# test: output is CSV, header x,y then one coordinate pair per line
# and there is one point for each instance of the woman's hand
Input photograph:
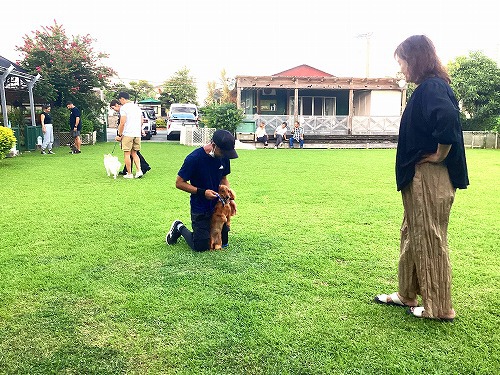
x,y
437,157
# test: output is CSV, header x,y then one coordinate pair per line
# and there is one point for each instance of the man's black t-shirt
x,y
205,172
75,112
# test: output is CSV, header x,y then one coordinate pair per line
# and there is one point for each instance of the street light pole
x,y
367,36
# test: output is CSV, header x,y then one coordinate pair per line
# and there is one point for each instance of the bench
x,y
329,141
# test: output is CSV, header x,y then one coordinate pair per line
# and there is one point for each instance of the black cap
x,y
225,141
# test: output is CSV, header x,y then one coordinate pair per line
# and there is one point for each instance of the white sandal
x,y
389,299
418,312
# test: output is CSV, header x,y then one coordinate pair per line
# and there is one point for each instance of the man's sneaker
x,y
139,174
173,234
43,152
128,175
50,152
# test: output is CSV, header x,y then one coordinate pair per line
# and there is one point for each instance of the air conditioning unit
x,y
268,91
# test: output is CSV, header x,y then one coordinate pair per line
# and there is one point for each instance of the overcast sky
x,y
153,39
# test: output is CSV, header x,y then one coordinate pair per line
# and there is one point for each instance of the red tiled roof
x,y
303,71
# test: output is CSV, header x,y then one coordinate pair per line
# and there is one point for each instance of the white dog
x,y
112,165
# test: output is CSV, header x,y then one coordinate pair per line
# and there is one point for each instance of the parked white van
x,y
180,114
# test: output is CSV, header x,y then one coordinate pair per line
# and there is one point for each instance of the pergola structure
x,y
324,103
305,77
13,79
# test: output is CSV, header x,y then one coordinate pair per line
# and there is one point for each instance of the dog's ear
x,y
231,193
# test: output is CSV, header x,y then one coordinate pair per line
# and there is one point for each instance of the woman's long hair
x,y
420,54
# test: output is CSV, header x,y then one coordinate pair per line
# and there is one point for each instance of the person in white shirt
x,y
261,135
129,133
280,134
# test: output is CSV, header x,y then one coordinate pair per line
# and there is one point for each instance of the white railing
x,y
333,125
375,124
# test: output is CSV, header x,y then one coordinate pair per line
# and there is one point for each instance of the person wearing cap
x,y
202,172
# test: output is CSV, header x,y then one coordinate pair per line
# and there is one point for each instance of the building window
x,y
315,106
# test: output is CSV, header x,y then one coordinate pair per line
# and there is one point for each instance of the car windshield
x,y
184,110
183,116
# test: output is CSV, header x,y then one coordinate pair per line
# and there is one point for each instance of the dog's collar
x,y
222,200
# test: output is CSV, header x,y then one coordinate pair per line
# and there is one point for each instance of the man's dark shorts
x,y
75,133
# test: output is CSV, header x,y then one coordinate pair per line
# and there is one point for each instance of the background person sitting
x,y
261,135
297,135
280,134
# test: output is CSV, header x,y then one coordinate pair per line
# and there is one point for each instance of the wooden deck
x,y
331,141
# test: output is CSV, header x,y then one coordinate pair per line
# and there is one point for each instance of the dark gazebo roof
x,y
18,79
5,63
13,84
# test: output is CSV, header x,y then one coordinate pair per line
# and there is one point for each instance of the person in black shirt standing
x,y
430,166
75,126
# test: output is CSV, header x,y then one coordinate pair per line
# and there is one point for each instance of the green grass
x,y
88,286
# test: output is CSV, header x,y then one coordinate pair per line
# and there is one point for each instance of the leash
x,y
114,148
222,200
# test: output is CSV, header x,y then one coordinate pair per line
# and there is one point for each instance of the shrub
x,y
16,117
222,116
7,141
161,123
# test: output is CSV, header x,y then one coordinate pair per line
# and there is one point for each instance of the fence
x,y
195,136
481,139
66,138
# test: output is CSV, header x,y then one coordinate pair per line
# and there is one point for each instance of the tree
x,y
112,91
476,83
222,116
180,88
70,69
210,99
142,90
220,93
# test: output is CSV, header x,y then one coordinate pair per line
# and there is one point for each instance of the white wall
x,y
385,103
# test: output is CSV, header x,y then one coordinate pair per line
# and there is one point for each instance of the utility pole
x,y
367,36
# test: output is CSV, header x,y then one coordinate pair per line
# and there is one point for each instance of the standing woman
x,y
430,166
47,129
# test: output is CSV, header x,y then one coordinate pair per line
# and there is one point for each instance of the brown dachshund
x,y
224,209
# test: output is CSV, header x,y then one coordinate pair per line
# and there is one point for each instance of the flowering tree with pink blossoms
x,y
70,69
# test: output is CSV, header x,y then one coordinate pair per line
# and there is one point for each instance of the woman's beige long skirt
x,y
424,263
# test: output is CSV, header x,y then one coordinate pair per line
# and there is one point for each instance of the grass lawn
x,y
88,285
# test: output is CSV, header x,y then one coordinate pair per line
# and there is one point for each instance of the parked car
x,y
179,115
148,123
